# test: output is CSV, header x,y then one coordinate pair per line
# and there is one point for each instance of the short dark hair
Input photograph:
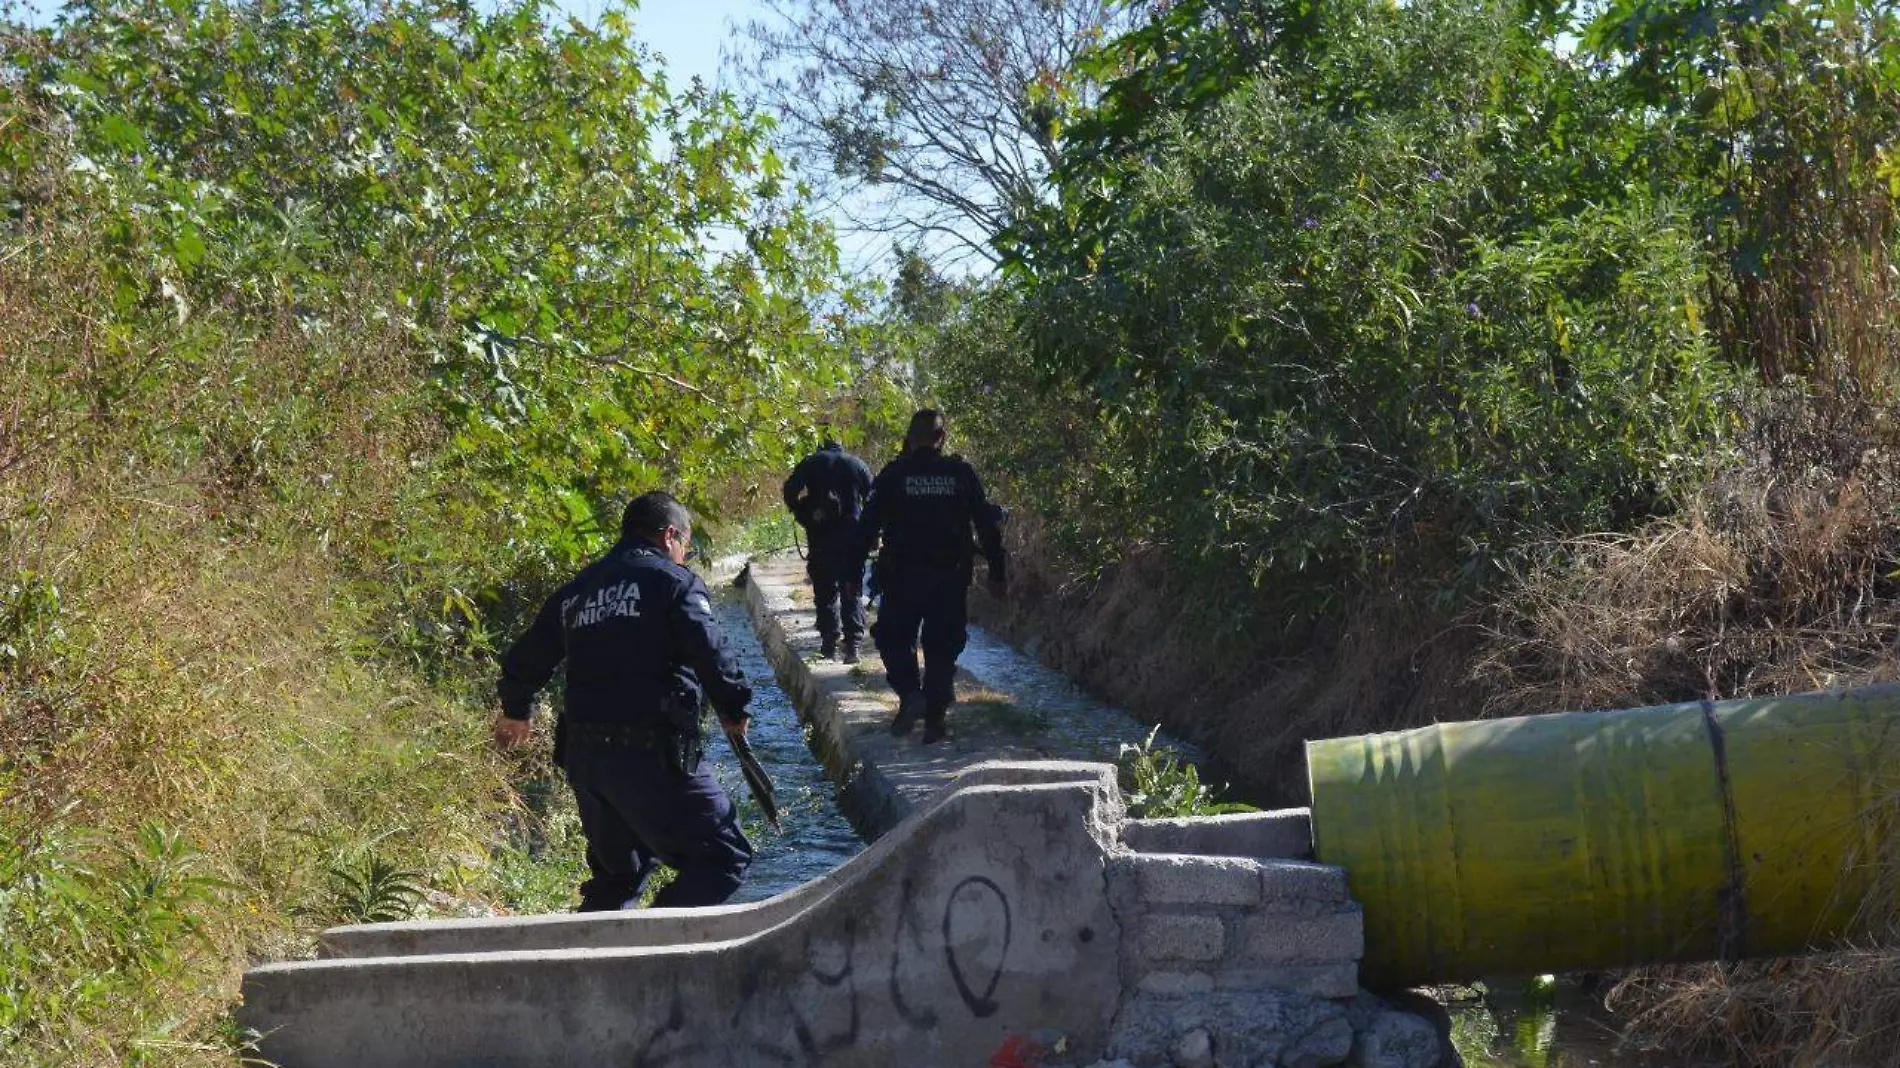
x,y
925,425
649,514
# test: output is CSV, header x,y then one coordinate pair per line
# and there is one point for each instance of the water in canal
x,y
1076,724
814,836
1511,1025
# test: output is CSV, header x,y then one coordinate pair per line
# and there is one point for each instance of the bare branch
x,y
917,106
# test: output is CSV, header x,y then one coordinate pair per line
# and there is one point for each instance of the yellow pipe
x,y
1603,839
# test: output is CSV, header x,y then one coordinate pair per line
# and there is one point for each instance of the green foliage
x,y
1158,784
351,325
612,285
30,630
1782,128
1344,302
92,933
373,889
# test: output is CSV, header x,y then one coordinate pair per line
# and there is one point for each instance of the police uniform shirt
x,y
827,479
632,626
924,505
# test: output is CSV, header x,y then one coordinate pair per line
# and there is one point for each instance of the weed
x,y
372,890
1158,783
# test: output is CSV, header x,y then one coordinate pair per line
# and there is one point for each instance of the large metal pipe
x,y
1603,839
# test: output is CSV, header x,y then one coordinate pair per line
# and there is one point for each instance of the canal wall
x,y
1006,913
1007,916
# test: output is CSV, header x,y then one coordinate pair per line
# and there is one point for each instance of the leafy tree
x,y
616,285
1785,115
1324,309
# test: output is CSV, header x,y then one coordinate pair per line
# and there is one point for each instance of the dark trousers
x,y
930,604
637,813
837,581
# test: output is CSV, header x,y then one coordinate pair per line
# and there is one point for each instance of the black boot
x,y
936,725
909,708
850,653
827,648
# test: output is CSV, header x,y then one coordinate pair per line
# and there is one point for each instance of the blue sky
x,y
689,33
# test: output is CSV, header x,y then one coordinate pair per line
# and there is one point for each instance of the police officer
x,y
643,650
826,494
922,509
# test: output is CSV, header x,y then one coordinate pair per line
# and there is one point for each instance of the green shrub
x,y
1157,783
1326,319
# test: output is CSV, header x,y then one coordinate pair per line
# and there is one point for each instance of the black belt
x,y
621,735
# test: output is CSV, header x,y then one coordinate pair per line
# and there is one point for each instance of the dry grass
x,y
1783,575
188,512
1780,576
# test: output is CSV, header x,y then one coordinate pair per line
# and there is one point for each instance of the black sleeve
x,y
860,478
794,487
989,531
703,646
530,663
871,522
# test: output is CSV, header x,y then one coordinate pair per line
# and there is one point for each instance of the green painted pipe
x,y
1604,839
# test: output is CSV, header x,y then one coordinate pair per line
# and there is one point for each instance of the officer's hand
x,y
999,589
736,730
510,733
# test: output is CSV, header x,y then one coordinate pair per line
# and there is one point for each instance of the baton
x,y
755,778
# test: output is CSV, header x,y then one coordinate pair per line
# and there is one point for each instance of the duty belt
x,y
621,735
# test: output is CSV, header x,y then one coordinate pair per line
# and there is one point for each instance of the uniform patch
x,y
930,485
620,600
700,602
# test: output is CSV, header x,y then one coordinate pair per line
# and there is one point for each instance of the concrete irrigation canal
x,y
1008,912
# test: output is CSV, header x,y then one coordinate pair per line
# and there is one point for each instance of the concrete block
x,y
1397,1040
1169,983
1279,938
1182,879
1197,938
1294,885
1315,980
1124,884
1328,1044
1194,1049
1287,833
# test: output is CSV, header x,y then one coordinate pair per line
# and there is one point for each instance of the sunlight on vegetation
x,y
312,385
1157,783
1348,366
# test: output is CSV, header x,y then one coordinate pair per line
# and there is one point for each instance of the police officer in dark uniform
x,y
643,651
922,509
826,496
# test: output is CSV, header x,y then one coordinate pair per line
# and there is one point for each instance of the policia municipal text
x,y
643,652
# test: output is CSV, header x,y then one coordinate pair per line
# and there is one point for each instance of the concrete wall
x,y
1203,923
999,901
1285,835
845,717
986,915
1010,905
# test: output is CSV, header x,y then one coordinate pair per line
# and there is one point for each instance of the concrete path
x,y
849,709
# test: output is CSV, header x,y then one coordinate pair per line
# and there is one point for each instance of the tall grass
x,y
205,710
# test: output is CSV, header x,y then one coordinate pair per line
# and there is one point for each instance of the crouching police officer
x,y
923,507
826,494
643,650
